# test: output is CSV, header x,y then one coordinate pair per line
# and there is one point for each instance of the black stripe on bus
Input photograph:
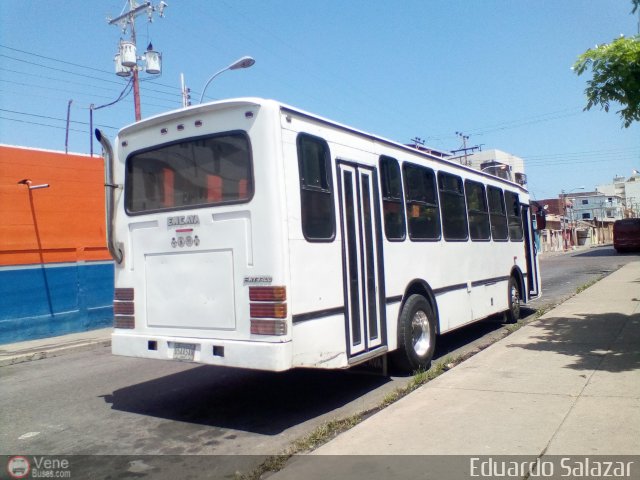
x,y
328,312
396,299
450,288
489,281
303,317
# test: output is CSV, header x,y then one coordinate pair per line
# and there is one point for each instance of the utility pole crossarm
x,y
131,13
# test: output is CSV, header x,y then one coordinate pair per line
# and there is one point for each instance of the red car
x,y
626,234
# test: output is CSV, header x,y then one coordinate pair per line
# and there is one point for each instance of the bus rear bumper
x,y
269,356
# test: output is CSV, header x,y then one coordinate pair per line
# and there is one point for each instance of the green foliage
x,y
616,76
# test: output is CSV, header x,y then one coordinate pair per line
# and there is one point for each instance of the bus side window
x,y
513,216
452,205
421,202
479,227
392,205
316,189
497,214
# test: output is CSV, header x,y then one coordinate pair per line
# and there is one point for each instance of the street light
x,y
564,216
244,62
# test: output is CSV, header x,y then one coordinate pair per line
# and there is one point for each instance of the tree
x,y
616,75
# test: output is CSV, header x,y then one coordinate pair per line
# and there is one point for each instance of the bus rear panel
x,y
203,276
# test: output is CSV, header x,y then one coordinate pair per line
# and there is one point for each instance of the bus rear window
x,y
192,173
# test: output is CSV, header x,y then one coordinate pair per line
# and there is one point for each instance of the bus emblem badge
x,y
183,220
258,280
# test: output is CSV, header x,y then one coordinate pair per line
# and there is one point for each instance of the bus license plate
x,y
184,351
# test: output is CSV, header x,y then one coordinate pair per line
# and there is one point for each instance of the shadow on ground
x,y
261,402
265,402
614,337
604,252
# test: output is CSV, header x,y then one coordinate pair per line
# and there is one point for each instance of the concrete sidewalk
x,y
565,384
19,352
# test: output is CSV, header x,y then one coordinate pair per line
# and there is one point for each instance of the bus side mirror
x,y
541,220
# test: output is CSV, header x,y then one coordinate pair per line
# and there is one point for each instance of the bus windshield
x,y
196,172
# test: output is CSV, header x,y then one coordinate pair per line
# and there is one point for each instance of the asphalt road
x,y
95,403
562,274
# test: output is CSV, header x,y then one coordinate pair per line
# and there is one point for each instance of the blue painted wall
x,y
38,301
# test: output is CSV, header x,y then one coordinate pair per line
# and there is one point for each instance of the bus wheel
x,y
416,335
513,314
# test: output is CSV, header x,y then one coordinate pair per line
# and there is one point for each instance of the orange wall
x,y
62,223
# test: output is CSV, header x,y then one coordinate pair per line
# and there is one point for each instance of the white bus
x,y
248,233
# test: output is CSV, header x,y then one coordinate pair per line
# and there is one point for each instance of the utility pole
x,y
186,92
66,139
136,79
126,60
464,144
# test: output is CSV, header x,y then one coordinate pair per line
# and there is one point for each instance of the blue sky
x,y
496,70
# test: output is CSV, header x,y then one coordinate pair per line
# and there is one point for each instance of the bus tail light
x,y
268,302
267,294
123,308
268,310
268,327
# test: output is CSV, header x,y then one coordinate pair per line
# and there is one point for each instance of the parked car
x,y
626,234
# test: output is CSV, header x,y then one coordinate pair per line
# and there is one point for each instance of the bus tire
x,y
514,295
416,335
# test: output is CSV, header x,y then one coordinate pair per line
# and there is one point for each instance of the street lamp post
x,y
244,62
564,216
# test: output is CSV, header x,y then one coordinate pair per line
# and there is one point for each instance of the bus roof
x,y
195,110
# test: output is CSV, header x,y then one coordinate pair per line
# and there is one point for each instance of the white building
x,y
590,206
626,188
498,163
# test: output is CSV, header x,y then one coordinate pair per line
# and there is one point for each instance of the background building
x,y
498,163
595,206
56,275
628,189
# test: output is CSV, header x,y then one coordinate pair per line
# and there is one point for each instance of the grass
x,y
331,429
582,288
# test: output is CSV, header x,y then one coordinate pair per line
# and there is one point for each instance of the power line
x,y
125,91
54,59
172,87
90,95
58,69
41,124
581,153
86,76
52,118
93,77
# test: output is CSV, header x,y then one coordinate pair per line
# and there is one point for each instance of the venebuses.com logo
x,y
18,467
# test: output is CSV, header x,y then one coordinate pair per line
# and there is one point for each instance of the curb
x,y
48,351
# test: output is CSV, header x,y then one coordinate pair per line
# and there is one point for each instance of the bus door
x,y
362,257
531,251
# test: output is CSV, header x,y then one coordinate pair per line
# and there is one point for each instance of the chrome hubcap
x,y
420,333
515,300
